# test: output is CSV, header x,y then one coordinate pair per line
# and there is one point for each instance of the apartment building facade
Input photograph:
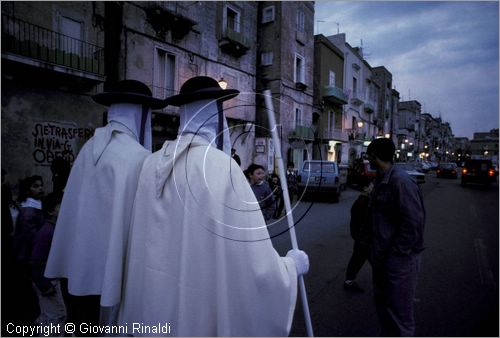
x,y
362,95
55,55
409,135
166,43
285,67
485,145
329,98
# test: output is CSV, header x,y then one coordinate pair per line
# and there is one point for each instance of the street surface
x,y
457,292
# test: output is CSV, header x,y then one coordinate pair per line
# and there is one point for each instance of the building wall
x,y
198,54
45,111
280,37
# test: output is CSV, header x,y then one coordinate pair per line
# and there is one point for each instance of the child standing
x,y
262,191
51,302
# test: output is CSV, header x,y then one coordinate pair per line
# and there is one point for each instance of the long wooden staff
x,y
288,207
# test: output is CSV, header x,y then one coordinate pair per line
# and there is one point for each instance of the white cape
x,y
91,235
200,259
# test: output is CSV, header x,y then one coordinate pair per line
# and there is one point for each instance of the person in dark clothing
x,y
397,217
291,181
275,185
30,218
61,169
359,233
50,298
235,156
28,222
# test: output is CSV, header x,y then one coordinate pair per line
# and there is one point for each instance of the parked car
x,y
426,166
478,171
361,173
319,177
447,170
410,169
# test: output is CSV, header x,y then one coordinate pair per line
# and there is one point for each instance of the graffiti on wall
x,y
53,139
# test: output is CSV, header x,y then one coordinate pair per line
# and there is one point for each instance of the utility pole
x,y
317,25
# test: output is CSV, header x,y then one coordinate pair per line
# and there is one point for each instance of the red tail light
x,y
464,171
491,172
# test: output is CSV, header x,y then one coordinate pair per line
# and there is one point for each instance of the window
x,y
331,121
266,59
354,87
231,19
298,116
268,14
300,20
72,30
331,78
299,69
164,74
338,120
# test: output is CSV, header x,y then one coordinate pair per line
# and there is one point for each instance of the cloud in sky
x,y
443,54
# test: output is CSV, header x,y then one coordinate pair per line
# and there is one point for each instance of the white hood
x,y
130,114
201,118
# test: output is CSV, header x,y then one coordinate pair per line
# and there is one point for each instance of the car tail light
x,y
491,172
453,172
464,171
438,171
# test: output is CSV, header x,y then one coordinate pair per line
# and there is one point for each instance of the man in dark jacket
x,y
397,217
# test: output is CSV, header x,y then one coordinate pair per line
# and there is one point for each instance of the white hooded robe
x,y
200,259
90,239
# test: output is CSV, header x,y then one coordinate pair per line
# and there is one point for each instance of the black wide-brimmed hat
x,y
129,91
201,88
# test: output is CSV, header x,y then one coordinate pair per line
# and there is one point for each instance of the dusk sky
x,y
442,54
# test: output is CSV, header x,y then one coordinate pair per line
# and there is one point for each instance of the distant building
x,y
485,144
461,148
362,91
329,98
409,130
383,78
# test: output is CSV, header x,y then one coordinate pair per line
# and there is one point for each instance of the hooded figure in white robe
x,y
200,261
91,235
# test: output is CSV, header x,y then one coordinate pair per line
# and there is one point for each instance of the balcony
x,y
34,45
369,107
234,43
300,85
334,95
334,134
163,20
355,100
302,133
356,135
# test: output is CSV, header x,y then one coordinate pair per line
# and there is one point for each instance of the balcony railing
x,y
356,99
334,134
369,107
25,39
301,132
234,43
334,94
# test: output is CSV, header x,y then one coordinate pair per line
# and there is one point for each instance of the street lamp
x,y
222,83
360,124
387,135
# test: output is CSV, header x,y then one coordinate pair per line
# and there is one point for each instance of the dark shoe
x,y
353,287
